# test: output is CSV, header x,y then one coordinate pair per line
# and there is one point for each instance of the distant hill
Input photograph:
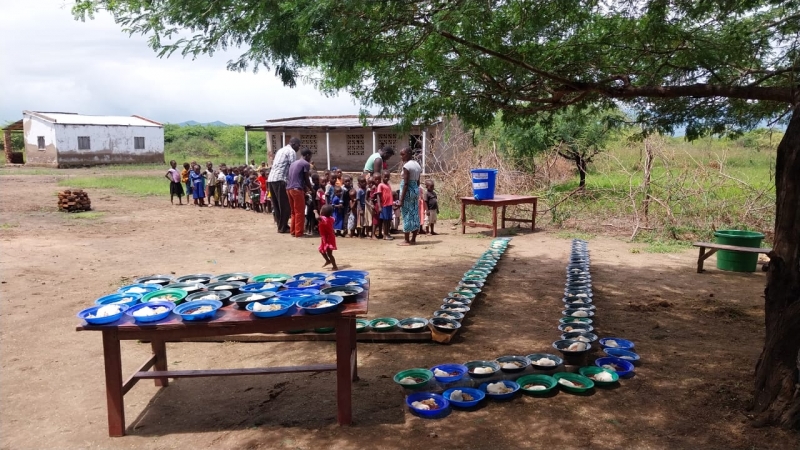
x,y
215,123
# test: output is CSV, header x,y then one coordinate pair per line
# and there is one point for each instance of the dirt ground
x,y
699,337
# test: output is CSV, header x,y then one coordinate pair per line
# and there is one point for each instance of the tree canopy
x,y
712,66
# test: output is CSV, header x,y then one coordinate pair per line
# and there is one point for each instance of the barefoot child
x,y
175,187
431,206
387,201
361,207
187,170
198,186
327,237
338,210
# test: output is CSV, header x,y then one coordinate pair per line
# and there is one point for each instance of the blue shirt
x,y
229,179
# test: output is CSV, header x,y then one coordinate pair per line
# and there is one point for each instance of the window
x,y
84,143
275,146
385,139
138,143
355,145
309,141
40,141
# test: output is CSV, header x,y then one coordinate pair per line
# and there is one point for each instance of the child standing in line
x,y
198,186
361,203
175,186
327,237
211,181
329,188
233,189
255,193
312,207
338,210
187,169
431,206
242,188
387,201
376,201
262,184
346,197
219,197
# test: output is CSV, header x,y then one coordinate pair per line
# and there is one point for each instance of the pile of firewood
x,y
73,201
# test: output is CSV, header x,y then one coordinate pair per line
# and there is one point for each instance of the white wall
x,y
109,144
33,127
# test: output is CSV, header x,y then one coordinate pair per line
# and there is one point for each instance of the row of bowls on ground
x,y
464,386
431,392
199,296
457,303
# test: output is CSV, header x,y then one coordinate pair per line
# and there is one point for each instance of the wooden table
x,y
499,201
712,248
228,321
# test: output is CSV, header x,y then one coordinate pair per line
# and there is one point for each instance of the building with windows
x,y
347,141
73,140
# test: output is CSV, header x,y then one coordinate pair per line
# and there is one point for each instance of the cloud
x,y
52,62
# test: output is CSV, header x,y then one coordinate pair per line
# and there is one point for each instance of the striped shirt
x,y
280,165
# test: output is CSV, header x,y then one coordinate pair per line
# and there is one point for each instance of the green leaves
x,y
735,62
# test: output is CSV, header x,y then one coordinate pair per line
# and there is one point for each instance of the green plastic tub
x,y
738,261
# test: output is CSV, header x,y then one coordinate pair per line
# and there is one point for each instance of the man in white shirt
x,y
277,183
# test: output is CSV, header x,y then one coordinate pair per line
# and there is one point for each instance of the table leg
x,y
494,221
160,352
354,349
463,218
503,218
114,396
533,216
344,370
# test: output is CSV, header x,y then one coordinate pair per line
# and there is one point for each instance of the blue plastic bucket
x,y
483,181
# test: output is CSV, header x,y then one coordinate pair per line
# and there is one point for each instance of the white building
x,y
69,140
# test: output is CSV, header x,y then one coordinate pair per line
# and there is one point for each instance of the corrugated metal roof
x,y
82,119
323,122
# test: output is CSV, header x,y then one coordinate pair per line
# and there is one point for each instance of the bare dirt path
x,y
699,336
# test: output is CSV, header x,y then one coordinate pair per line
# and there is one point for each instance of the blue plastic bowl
x,y
119,299
508,383
621,343
627,355
625,367
442,402
183,309
311,276
285,307
316,284
307,305
450,368
169,305
296,295
254,288
101,320
363,274
477,394
344,281
148,288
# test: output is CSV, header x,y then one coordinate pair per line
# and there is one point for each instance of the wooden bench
x,y
712,248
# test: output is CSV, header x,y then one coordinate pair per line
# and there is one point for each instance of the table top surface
x,y
499,198
228,316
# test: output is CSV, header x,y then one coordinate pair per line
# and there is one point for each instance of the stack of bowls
x,y
459,302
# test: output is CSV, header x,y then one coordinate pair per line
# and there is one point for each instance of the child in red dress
x,y
327,236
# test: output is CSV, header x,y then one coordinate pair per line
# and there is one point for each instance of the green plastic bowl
x,y
461,293
177,295
477,272
390,320
575,378
271,277
422,374
591,371
545,380
361,325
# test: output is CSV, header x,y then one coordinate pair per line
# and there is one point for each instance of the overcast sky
x,y
52,62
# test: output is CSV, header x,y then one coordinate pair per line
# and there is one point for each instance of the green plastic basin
x,y
738,261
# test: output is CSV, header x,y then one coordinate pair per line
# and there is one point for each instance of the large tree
x,y
710,66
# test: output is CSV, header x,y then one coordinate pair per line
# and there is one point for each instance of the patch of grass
x,y
7,226
41,171
126,184
658,246
86,215
572,234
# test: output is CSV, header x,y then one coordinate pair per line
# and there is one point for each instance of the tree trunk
x,y
776,399
580,162
648,165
